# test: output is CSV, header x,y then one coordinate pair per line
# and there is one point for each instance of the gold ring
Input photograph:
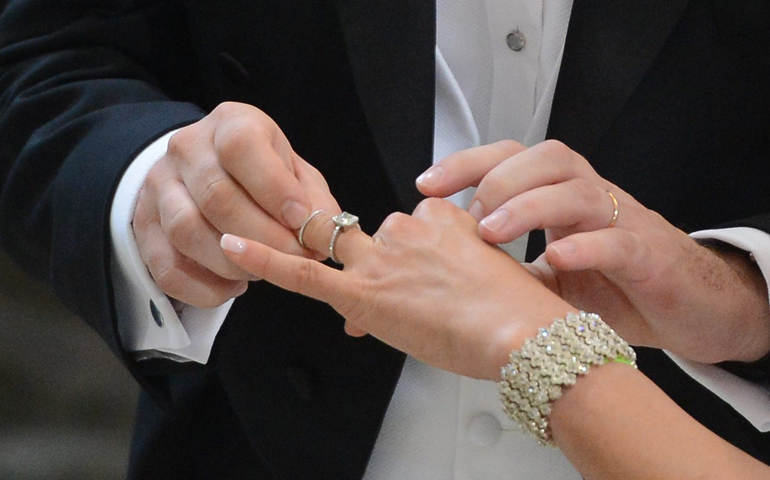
x,y
615,210
301,234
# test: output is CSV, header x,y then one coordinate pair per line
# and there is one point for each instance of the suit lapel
x,y
391,47
610,45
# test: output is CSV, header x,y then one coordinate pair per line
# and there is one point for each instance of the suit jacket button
x,y
156,315
232,68
302,381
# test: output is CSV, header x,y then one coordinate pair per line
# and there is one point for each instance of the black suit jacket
x,y
669,99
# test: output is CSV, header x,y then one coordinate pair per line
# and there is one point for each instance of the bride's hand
x,y
426,284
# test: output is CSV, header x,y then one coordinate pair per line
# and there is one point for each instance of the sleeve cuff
x,y
148,322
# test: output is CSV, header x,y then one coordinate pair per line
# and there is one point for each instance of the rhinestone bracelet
x,y
553,360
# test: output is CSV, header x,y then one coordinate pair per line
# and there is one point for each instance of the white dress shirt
x,y
439,425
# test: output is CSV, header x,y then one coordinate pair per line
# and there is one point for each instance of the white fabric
x,y
440,425
190,338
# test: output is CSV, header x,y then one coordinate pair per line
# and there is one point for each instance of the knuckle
x,y
305,274
430,206
493,186
169,279
508,146
233,147
154,180
228,109
180,229
584,191
217,198
557,148
179,143
394,222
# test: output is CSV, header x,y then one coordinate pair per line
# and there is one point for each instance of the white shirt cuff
x,y
183,332
750,399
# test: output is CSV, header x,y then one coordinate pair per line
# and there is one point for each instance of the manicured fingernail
x,y
431,176
231,243
476,211
294,213
496,221
563,249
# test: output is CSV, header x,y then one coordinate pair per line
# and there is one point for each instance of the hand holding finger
x,y
253,150
176,275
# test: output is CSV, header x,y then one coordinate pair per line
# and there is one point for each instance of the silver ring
x,y
342,223
301,234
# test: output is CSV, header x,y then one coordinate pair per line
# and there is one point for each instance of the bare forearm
x,y
615,423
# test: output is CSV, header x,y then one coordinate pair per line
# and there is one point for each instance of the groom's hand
x,y
233,171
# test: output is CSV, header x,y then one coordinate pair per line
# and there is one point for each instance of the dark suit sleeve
x,y
81,93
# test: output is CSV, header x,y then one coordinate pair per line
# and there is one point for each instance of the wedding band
x,y
342,223
615,210
301,234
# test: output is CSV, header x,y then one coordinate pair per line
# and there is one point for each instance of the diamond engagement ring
x,y
301,234
342,223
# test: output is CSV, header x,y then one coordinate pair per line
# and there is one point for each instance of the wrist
x,y
752,305
512,335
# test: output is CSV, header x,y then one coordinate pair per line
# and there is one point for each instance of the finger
x,y
546,163
439,210
190,233
350,244
318,190
568,207
229,208
180,277
297,274
246,149
618,254
465,168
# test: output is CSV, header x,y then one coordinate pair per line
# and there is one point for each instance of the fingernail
x,y
294,213
231,243
476,211
431,176
563,249
496,221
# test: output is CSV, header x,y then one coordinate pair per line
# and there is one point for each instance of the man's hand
x,y
648,279
233,171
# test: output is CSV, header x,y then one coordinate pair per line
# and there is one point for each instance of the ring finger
x,y
348,241
567,207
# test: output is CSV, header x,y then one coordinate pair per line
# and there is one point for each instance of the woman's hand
x,y
653,283
426,284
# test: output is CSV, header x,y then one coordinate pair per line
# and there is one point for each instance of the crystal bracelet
x,y
536,374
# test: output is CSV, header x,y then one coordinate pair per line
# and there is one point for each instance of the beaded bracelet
x,y
553,360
